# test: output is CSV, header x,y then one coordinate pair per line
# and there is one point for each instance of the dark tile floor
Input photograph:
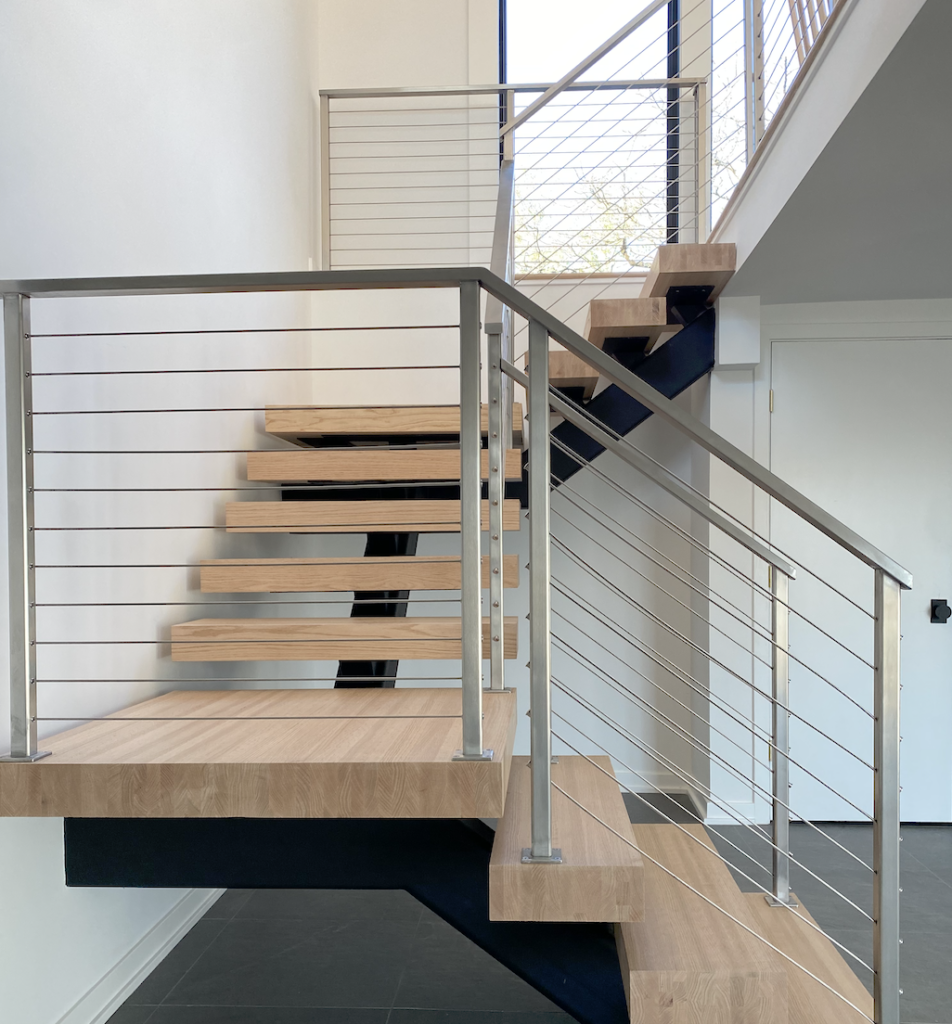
x,y
357,957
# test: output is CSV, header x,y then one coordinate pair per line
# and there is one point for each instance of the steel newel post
x,y
539,598
497,489
780,630
19,428
470,440
886,802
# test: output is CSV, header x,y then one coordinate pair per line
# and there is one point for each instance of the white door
x,y
862,427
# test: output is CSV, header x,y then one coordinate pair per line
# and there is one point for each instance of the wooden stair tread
x,y
687,960
368,464
411,516
628,318
691,264
294,422
567,370
300,575
810,1002
319,753
601,877
361,638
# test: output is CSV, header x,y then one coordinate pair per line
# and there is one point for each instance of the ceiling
x,y
872,219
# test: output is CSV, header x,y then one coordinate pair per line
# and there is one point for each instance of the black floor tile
x,y
168,973
129,1014
448,972
268,1015
331,905
421,1016
231,901
657,808
926,978
285,962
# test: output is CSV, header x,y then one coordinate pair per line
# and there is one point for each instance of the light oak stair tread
x,y
361,638
368,464
294,422
410,516
272,754
601,877
809,1001
567,370
687,960
692,265
313,575
628,318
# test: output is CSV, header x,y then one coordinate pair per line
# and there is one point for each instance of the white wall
x,y
139,138
856,389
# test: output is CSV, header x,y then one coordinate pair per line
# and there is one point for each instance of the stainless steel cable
x,y
602,618
686,777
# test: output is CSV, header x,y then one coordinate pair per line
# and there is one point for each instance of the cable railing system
x,y
642,143
664,631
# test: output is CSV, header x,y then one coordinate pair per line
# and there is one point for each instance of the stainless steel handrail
x,y
331,280
484,90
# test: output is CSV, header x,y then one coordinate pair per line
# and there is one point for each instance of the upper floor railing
x,y
647,151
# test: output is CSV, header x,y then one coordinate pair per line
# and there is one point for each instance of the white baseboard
x,y
112,990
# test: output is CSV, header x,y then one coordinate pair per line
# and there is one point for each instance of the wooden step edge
x,y
691,264
645,318
369,516
567,370
688,960
333,575
601,877
809,1001
294,422
368,466
339,639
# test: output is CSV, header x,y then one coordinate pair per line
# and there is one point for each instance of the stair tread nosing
x,y
326,575
357,638
628,318
368,465
602,875
688,960
691,264
293,422
410,516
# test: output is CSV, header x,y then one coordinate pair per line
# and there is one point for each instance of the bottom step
x,y
810,1002
687,962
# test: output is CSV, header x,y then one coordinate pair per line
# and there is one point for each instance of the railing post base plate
x,y
25,758
486,755
527,858
773,901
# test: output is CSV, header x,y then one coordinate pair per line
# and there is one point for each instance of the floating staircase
x,y
358,786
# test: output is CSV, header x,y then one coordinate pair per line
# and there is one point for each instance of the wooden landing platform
x,y
272,754
601,877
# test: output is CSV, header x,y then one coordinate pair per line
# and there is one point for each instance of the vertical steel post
x,y
19,427
754,73
509,140
325,185
886,802
540,695
497,493
780,628
470,442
